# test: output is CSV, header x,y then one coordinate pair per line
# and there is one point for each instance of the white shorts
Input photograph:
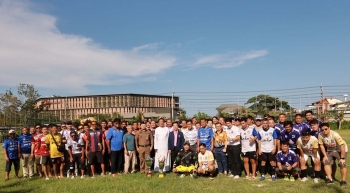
x,y
307,155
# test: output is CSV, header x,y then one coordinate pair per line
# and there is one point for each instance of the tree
x,y
201,115
28,97
137,118
262,104
9,106
223,114
182,114
117,115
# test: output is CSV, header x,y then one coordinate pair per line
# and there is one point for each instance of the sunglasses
x,y
324,129
73,135
12,133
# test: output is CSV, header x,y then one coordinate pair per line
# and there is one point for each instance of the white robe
x,y
161,144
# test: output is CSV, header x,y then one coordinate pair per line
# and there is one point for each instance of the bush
x,y
345,125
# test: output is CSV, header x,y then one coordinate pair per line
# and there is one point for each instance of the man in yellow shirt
x,y
57,158
205,161
220,146
330,142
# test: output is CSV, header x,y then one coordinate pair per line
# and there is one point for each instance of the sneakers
x,y
304,179
182,175
82,177
211,178
342,183
262,178
72,177
316,180
47,179
274,178
291,179
92,177
230,176
286,178
236,177
329,181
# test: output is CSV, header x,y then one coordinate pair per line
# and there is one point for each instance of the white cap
x,y
12,131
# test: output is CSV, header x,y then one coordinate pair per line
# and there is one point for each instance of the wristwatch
x,y
342,158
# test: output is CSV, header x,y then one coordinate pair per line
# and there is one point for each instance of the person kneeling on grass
x,y
185,162
11,153
287,162
205,161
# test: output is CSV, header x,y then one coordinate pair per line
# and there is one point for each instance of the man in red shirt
x,y
35,149
44,153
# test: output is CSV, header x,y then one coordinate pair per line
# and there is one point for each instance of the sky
x,y
159,47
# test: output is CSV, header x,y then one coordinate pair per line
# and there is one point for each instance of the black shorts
x,y
95,156
249,154
267,157
15,163
44,160
57,160
77,159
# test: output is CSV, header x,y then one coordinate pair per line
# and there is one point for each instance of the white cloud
x,y
34,51
228,60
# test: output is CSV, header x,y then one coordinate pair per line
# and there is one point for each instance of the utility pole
x,y
322,93
172,106
275,104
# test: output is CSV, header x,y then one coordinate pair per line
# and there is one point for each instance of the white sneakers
x,y
236,177
304,179
316,180
182,175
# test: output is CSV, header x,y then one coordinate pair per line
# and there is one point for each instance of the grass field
x,y
171,183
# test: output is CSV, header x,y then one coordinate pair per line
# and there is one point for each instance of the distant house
x,y
325,104
228,108
343,107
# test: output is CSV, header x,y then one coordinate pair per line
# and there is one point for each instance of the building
x,y
229,108
324,105
127,105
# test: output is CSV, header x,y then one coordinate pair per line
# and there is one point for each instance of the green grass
x,y
171,183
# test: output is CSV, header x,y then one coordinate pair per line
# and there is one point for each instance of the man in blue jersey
x,y
205,135
287,163
290,135
24,147
267,149
309,117
10,147
299,124
281,118
315,128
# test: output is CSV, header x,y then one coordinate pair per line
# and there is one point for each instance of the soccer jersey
x,y
95,140
287,159
11,146
232,133
205,158
308,146
205,135
315,133
308,123
220,139
116,138
54,153
25,143
280,126
331,142
292,138
246,135
76,145
191,136
300,127
267,138
36,142
43,149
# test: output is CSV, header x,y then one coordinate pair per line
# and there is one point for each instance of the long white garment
x,y
161,144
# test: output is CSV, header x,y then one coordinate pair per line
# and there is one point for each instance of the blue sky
x,y
156,47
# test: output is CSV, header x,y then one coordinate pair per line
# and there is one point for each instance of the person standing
x,y
11,153
54,140
175,143
206,136
233,149
190,135
115,147
290,135
25,152
44,153
35,151
248,139
76,154
144,144
220,147
161,146
129,150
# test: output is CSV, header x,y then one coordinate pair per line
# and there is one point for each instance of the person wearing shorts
x,y
35,153
10,147
205,161
332,147
308,147
57,158
95,148
248,138
185,161
44,153
76,154
287,163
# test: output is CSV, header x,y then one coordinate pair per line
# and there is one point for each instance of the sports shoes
x,y
329,181
316,180
92,177
47,179
286,178
274,178
72,177
262,178
236,177
82,177
342,183
230,176
304,179
211,178
103,175
291,179
182,175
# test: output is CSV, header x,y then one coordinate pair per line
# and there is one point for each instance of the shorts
x,y
306,156
184,169
204,167
267,157
44,160
95,156
37,159
57,160
334,156
249,154
15,163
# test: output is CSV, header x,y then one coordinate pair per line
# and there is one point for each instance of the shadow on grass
x,y
12,185
331,187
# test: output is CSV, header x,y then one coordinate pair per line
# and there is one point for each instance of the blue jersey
x,y
116,138
278,132
205,135
315,133
25,142
300,127
308,123
291,137
287,159
11,147
279,126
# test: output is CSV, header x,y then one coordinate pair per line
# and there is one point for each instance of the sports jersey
x,y
205,135
54,153
25,143
315,133
280,126
246,135
232,133
267,139
331,142
185,158
287,159
205,158
191,135
11,146
292,137
220,139
116,138
95,140
300,127
43,149
308,146
36,143
76,145
308,123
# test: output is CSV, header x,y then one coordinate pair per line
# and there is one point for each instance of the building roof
x,y
125,94
328,100
228,108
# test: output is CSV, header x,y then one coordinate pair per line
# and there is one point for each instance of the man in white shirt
x,y
190,135
233,149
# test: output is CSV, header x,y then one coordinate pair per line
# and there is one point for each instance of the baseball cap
x,y
187,142
258,118
12,131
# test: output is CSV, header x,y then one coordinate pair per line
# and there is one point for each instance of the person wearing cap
x,y
308,147
76,154
11,153
185,161
258,123
25,150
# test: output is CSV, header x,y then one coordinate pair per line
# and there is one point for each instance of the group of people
x,y
190,147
